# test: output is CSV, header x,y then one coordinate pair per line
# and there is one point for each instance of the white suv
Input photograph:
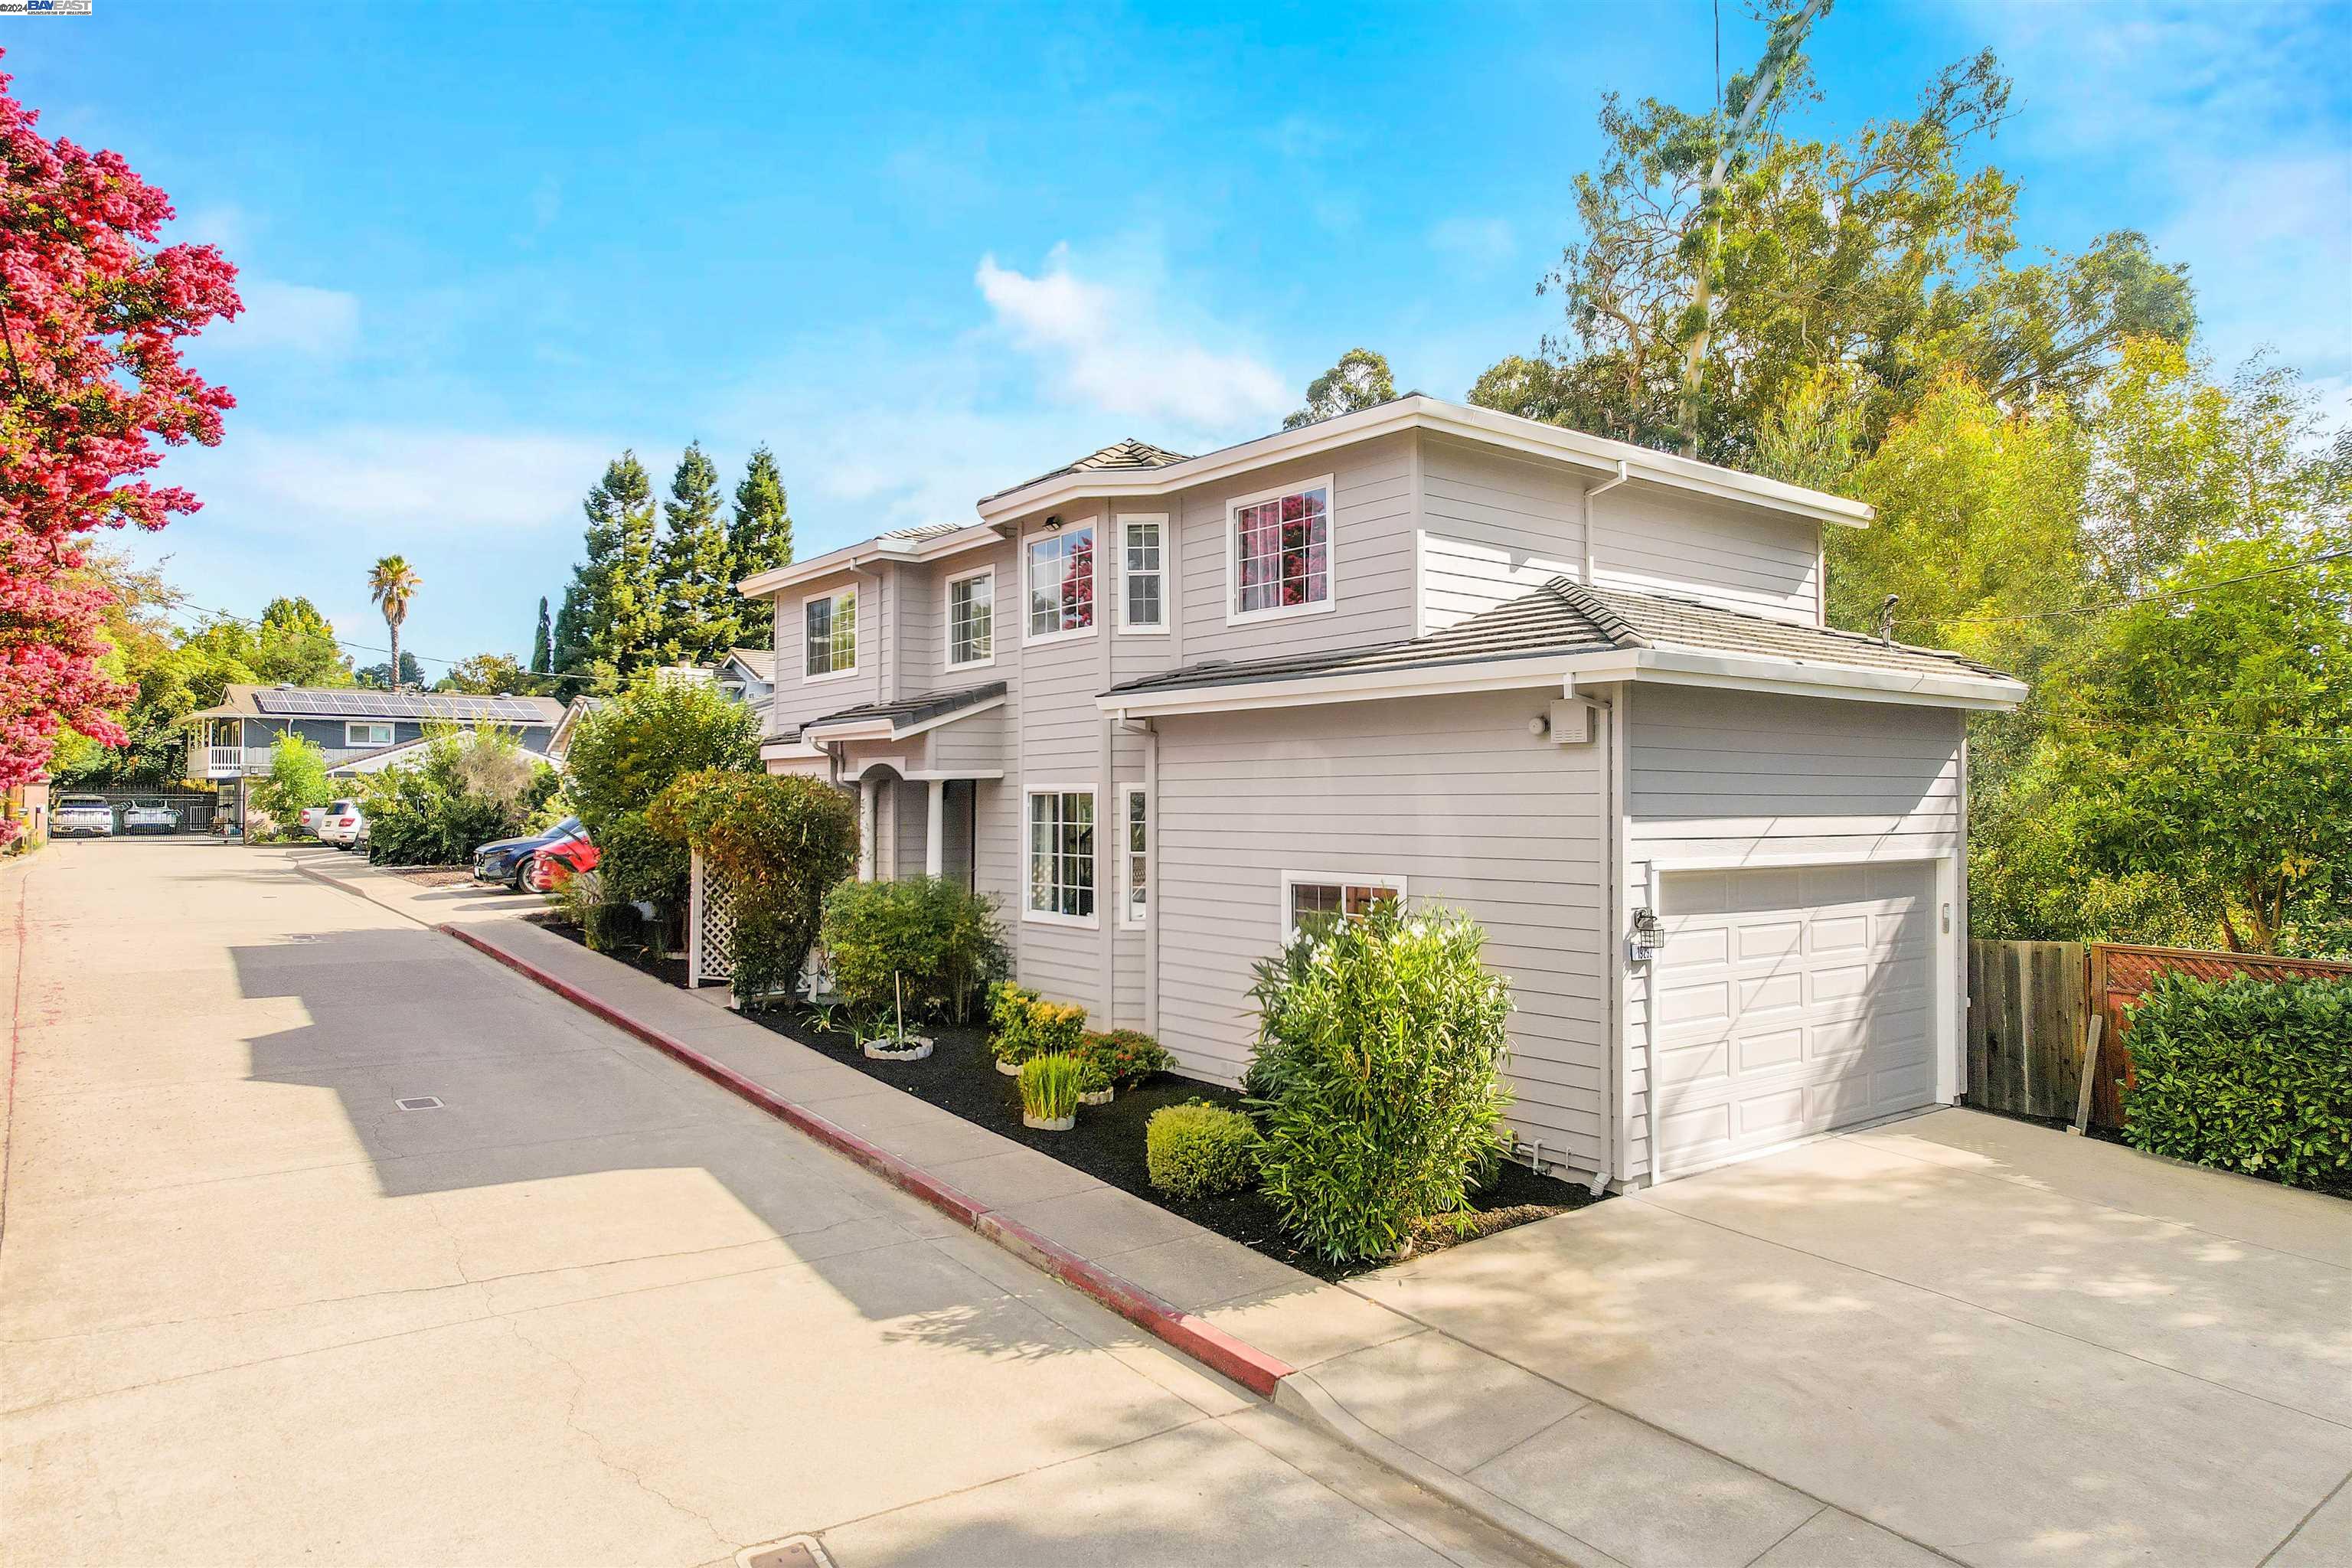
x,y
82,814
340,826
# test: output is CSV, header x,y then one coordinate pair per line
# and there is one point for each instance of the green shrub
x,y
1198,1151
780,843
2248,1075
1125,1056
297,778
1022,1025
1376,1080
1050,1087
467,787
939,942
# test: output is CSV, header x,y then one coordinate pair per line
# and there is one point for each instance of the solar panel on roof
x,y
449,706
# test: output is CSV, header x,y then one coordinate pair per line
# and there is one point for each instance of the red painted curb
x,y
1196,1337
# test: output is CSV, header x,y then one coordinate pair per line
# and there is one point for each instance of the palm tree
x,y
390,585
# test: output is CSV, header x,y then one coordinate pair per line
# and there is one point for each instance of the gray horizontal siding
x,y
1382,789
1656,540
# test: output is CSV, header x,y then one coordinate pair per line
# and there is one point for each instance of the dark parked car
x,y
530,864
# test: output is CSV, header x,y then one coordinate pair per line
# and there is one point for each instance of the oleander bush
x,y
1377,1081
1197,1150
2247,1075
939,942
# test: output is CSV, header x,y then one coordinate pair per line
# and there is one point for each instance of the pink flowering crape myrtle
x,y
92,313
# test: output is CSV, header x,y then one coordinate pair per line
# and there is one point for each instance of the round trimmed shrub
x,y
1198,1151
1377,1084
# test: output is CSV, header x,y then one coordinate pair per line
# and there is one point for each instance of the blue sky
x,y
926,252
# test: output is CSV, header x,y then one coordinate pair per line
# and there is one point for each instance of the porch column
x,y
935,830
865,794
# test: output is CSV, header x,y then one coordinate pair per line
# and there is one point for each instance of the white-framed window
x,y
1307,895
356,733
971,618
1135,855
1060,579
1143,574
1062,856
829,634
1278,553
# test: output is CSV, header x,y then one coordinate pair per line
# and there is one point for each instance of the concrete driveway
x,y
2005,1344
587,1309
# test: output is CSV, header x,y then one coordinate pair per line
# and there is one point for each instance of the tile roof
x,y
921,531
1129,456
760,661
900,714
1563,618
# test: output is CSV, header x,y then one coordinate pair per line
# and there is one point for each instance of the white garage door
x,y
1791,1002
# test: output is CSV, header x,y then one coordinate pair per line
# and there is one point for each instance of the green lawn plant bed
x,y
1107,1143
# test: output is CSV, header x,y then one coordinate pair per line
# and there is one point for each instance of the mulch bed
x,y
669,971
959,1075
433,876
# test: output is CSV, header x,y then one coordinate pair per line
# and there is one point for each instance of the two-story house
x,y
1161,707
236,741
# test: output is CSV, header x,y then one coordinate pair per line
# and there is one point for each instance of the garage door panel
x,y
1792,1001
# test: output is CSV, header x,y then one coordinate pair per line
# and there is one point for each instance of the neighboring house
x,y
1160,707
559,744
239,736
748,673
411,751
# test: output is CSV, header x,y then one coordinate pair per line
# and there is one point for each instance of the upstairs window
x,y
1062,581
1281,552
1062,856
831,623
358,734
1143,574
971,619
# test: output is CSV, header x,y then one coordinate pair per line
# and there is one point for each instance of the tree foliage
x,y
1361,380
92,313
611,616
474,784
782,844
393,583
758,539
487,675
697,602
297,778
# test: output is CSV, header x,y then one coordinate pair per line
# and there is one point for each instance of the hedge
x,y
1198,1151
2247,1075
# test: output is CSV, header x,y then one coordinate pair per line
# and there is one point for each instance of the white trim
x,y
1506,431
885,730
1671,667
856,630
1129,793
854,557
1030,790
1021,569
1235,616
1284,931
390,731
946,618
1119,525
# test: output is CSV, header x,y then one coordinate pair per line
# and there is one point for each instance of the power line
x,y
2150,596
187,606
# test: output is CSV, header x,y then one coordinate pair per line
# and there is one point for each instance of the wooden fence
x,y
2031,1006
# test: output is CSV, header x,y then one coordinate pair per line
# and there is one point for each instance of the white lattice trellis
x,y
709,926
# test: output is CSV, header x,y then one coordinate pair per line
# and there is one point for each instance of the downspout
x,y
1150,863
1603,488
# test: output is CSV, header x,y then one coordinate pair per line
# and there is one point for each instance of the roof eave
x,y
1801,678
1527,436
882,547
1365,685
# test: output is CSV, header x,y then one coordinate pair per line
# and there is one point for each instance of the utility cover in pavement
x,y
800,1552
421,1102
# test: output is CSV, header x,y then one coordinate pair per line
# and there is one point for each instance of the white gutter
x,y
1675,667
853,557
1624,473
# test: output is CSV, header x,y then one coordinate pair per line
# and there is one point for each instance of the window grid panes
x,y
1062,581
1353,899
972,615
1282,553
1061,854
1139,844
832,633
1143,576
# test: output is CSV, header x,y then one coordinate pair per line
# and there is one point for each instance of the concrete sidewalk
x,y
1564,1472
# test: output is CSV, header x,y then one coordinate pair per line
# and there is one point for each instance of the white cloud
x,y
1106,344
1480,244
373,485
289,319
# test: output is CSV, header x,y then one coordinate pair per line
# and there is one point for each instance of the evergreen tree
x,y
542,646
612,605
758,539
697,610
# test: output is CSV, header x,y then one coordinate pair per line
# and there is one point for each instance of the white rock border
x,y
918,1047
